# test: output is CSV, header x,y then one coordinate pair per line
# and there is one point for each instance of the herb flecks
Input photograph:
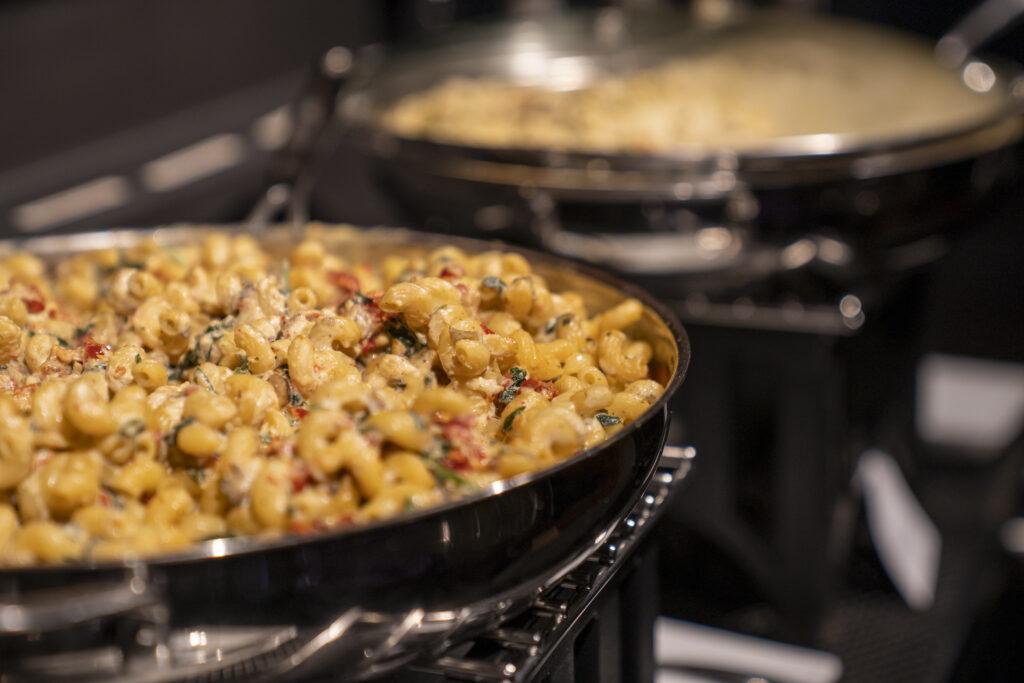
x,y
171,438
196,474
200,374
492,282
607,420
517,375
443,473
131,429
190,359
556,322
506,425
399,331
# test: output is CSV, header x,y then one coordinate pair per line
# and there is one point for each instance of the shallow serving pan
x,y
875,191
490,550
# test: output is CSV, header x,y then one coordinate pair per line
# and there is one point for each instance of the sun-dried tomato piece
x,y
94,350
300,527
34,305
343,280
547,389
456,460
465,442
300,478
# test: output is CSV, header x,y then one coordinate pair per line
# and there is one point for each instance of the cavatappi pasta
x,y
158,396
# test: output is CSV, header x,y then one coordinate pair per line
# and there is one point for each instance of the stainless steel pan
x,y
869,191
489,551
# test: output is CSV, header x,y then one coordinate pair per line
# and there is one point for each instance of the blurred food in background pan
x,y
622,137
779,77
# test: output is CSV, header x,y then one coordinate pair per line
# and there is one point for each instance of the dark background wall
x,y
72,71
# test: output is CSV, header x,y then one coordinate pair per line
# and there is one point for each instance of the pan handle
x,y
60,608
980,25
292,171
706,248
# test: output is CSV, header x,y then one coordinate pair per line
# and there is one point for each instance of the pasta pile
x,y
158,396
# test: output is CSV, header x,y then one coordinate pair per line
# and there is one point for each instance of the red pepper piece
x,y
343,280
547,389
94,350
450,272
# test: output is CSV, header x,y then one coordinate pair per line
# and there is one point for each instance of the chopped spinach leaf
x,y
217,327
206,379
131,429
439,448
607,420
171,438
506,426
556,322
492,282
190,359
243,364
137,265
444,474
510,392
196,474
398,330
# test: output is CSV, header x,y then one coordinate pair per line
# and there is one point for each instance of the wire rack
x,y
519,632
